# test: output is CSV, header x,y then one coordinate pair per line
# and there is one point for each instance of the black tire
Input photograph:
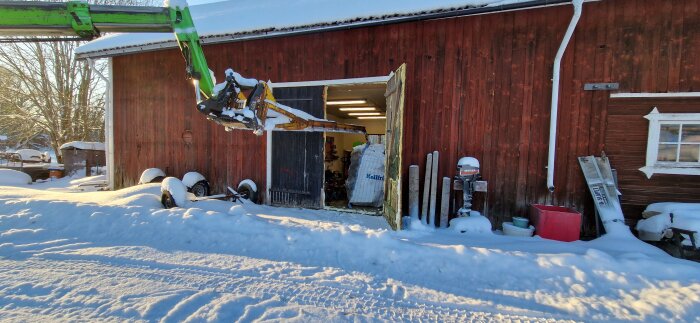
x,y
247,192
157,179
167,200
200,189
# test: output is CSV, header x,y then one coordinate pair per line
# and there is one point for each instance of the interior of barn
x,y
360,104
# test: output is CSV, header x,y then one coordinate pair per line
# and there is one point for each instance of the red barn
x,y
477,81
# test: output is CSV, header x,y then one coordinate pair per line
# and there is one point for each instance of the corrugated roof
x,y
235,20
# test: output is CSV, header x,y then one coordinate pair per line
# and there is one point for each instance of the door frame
x,y
393,187
268,152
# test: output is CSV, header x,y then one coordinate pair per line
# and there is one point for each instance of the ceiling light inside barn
x,y
358,109
346,102
365,114
374,117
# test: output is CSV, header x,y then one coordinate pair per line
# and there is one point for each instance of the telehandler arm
x,y
223,103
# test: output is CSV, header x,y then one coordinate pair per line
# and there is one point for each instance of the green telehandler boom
x,y
224,103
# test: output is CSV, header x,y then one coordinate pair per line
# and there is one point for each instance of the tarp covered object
x,y
365,182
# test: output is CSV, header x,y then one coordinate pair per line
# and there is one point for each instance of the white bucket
x,y
510,230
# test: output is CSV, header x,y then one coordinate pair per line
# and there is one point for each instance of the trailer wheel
x,y
167,200
152,175
200,189
173,193
157,179
248,190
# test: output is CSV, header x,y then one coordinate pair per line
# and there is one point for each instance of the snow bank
x,y
13,177
84,145
215,19
120,256
72,183
150,174
475,223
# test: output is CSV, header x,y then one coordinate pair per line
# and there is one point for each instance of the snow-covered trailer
x,y
478,82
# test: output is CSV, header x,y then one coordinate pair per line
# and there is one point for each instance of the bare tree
x,y
45,90
19,130
52,92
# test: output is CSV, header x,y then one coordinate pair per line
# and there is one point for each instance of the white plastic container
x,y
510,230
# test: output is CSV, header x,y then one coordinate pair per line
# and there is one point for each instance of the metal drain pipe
x,y
109,133
578,7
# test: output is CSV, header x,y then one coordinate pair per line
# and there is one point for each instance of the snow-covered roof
x,y
30,155
232,20
84,145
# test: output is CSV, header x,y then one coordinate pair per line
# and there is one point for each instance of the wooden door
x,y
297,157
394,139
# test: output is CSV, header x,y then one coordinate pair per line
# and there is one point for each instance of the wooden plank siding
x,y
477,86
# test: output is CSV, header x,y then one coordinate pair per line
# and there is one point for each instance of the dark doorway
x,y
297,157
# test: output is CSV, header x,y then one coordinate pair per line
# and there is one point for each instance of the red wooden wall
x,y
477,85
153,107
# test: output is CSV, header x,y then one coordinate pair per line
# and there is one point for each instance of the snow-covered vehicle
x,y
32,162
194,187
177,193
674,223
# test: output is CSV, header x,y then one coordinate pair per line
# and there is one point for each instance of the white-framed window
x,y
673,145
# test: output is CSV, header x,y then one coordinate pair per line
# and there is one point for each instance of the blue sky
x,y
194,2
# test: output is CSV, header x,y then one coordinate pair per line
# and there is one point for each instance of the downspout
x,y
109,149
578,7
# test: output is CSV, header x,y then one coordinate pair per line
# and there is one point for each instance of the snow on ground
x,y
14,177
115,256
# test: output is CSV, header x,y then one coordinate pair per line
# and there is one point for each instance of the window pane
x,y
691,133
667,153
669,133
689,153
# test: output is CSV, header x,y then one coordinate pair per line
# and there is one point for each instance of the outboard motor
x,y
468,173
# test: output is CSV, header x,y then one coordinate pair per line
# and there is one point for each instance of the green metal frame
x,y
34,18
188,40
81,20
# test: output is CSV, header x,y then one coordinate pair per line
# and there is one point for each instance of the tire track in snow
x,y
188,306
211,282
164,305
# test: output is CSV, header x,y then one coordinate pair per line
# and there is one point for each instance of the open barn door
x,y
297,157
394,141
